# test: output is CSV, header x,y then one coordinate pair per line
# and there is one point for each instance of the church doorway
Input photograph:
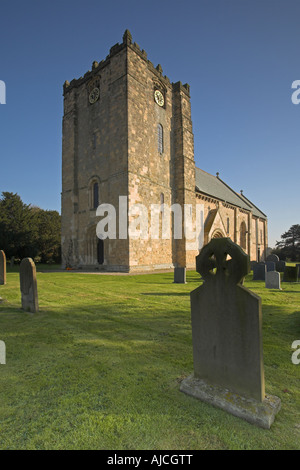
x,y
94,248
217,234
100,251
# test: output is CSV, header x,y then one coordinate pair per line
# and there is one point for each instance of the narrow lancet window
x,y
95,195
160,138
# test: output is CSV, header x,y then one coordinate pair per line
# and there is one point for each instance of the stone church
x,y
127,131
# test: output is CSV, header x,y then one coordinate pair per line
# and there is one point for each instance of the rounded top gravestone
x,y
274,258
28,285
2,267
26,277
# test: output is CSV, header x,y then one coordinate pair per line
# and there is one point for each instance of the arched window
x,y
160,138
95,195
93,192
162,201
243,232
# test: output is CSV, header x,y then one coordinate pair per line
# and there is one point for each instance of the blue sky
x,y
240,58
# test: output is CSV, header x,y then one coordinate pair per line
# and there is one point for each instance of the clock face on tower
x,y
159,98
94,95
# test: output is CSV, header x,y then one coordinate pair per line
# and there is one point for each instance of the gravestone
x,y
270,265
28,286
252,264
290,274
2,268
227,337
180,275
2,353
259,272
298,266
273,258
280,265
272,280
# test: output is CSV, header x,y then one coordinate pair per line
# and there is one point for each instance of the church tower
x,y
127,131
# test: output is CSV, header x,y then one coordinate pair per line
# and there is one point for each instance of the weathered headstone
x,y
280,265
28,285
270,265
227,337
252,264
180,275
290,274
2,353
2,268
259,272
298,266
272,280
274,258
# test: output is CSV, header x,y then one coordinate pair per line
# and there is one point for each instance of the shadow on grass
x,y
170,294
131,349
288,291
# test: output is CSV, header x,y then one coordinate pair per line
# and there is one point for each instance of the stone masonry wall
x,y
95,148
114,142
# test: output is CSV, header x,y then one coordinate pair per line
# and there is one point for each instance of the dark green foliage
x,y
48,239
27,231
288,248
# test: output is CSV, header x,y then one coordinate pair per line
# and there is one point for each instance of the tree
x,y
289,245
28,231
15,227
48,235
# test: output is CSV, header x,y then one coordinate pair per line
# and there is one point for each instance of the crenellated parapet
x,y
116,49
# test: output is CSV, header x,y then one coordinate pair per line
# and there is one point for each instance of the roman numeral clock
x,y
159,98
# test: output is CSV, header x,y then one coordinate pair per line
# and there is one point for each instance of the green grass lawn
x,y
99,367
39,267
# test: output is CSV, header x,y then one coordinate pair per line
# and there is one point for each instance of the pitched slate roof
x,y
213,186
255,210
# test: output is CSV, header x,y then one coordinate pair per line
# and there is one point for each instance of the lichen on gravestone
x,y
227,321
28,286
227,337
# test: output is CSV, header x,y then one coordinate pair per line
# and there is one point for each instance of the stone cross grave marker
x,y
28,285
2,268
273,280
227,337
